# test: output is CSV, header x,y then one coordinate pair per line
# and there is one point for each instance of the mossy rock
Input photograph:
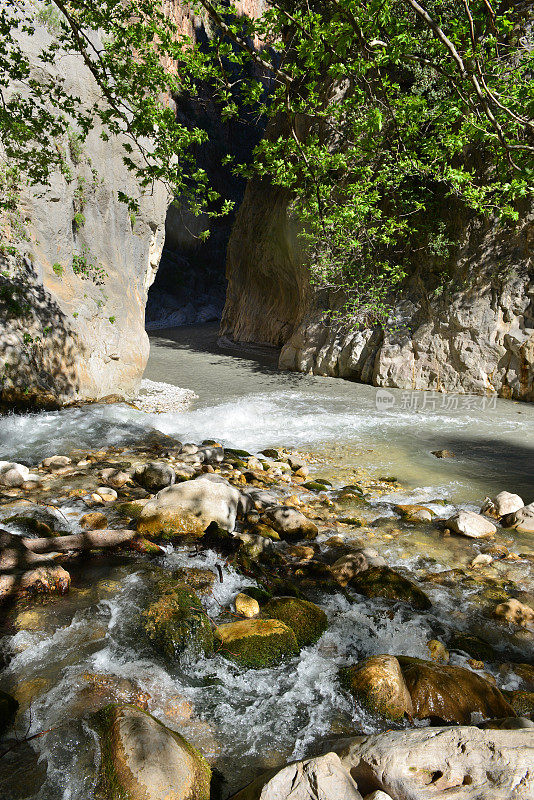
x,y
316,486
142,759
131,510
307,621
176,622
8,710
385,582
201,580
256,643
232,452
171,525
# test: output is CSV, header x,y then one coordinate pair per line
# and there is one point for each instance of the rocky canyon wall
x,y
477,336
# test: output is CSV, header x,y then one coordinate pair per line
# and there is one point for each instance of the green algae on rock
x,y
307,621
142,759
385,582
256,643
176,622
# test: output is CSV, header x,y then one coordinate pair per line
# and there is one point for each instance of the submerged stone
x,y
385,582
256,643
142,759
307,621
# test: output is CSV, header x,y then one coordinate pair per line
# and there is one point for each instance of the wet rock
x,y
42,580
385,582
521,702
467,523
104,494
438,651
507,724
302,552
524,671
154,476
176,622
482,560
258,498
522,519
473,645
93,521
502,504
187,509
246,606
515,612
211,454
443,453
378,795
39,521
256,643
290,523
414,513
259,594
8,711
269,452
378,684
55,462
307,621
449,693
13,475
348,567
142,759
322,778
315,486
133,509
461,763
183,472
116,478
260,529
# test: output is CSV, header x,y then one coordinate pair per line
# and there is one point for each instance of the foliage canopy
x,y
377,111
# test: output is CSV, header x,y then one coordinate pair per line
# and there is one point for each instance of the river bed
x,y
63,653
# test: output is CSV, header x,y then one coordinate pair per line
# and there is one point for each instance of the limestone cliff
x,y
72,309
477,336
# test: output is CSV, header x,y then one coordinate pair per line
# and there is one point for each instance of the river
x,y
55,654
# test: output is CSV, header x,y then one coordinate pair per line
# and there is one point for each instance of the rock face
x,y
85,268
141,759
462,763
322,778
477,337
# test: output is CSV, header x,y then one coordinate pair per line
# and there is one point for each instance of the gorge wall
x,y
477,336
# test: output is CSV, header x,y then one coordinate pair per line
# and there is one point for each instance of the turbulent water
x,y
62,655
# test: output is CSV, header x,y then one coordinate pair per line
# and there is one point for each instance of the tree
x,y
378,111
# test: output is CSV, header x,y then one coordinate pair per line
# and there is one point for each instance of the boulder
x,y
515,612
307,621
12,474
322,778
385,582
348,566
39,521
187,509
142,759
450,693
457,763
467,523
502,504
522,519
290,523
378,684
8,710
176,622
246,606
154,476
256,643
56,462
116,478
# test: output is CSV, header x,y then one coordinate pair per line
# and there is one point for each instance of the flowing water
x,y
66,655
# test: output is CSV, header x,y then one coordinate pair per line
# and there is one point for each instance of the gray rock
x,y
13,474
56,462
459,763
322,778
201,498
502,504
470,524
290,523
522,519
378,795
154,476
349,565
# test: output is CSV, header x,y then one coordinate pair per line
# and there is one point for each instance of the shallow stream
x,y
62,657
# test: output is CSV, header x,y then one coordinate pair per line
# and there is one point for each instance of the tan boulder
x,y
378,684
